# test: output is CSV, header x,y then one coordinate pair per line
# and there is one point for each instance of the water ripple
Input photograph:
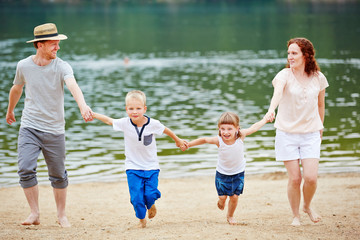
x,y
187,91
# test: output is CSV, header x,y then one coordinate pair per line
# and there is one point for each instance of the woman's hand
x,y
270,115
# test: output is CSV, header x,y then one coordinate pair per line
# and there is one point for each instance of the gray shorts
x,y
30,143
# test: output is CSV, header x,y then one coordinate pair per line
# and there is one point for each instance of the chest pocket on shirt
x,y
148,139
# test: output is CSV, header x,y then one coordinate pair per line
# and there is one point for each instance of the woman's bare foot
x,y
296,222
221,204
152,211
33,219
231,220
142,223
313,215
64,222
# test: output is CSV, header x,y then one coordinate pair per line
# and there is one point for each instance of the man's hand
x,y
10,117
87,113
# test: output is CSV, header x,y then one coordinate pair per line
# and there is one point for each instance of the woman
x,y
299,91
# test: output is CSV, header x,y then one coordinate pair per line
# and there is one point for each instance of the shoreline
x,y
46,182
187,210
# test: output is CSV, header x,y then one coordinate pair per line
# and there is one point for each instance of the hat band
x,y
46,35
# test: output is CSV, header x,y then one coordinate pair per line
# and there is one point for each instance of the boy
x,y
141,163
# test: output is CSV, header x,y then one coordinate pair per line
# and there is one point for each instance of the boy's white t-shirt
x,y
140,144
231,158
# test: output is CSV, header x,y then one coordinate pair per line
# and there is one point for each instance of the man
x,y
42,122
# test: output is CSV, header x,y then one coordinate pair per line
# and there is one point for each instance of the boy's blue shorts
x,y
229,184
143,188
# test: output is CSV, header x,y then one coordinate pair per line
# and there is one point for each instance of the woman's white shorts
x,y
293,146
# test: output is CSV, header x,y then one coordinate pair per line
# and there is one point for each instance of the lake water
x,y
193,61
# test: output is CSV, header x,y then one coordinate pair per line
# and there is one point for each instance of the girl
x,y
230,169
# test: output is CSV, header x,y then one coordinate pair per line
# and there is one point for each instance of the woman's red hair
x,y
308,51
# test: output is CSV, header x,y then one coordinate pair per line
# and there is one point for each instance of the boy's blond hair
x,y
135,94
230,118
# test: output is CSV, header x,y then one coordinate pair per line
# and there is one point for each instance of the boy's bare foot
x,y
221,204
231,220
296,222
33,219
64,222
152,211
142,223
313,215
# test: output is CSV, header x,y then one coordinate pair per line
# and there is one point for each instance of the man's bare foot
x,y
64,222
296,222
313,215
33,219
231,220
142,223
221,204
152,211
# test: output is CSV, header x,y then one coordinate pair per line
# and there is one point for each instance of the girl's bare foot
x,y
142,223
221,204
64,222
152,211
231,220
313,215
296,222
33,219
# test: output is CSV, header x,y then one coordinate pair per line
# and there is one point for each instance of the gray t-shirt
x,y
44,94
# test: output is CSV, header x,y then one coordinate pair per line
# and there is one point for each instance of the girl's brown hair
x,y
308,52
230,118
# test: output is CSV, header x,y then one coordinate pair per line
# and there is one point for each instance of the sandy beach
x,y
187,210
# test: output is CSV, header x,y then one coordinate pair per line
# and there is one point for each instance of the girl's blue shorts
x,y
229,184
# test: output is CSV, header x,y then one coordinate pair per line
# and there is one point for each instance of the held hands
x,y
182,144
270,116
87,113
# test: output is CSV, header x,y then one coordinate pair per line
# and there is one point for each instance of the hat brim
x,y
58,37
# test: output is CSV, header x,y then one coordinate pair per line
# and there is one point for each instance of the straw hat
x,y
47,31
